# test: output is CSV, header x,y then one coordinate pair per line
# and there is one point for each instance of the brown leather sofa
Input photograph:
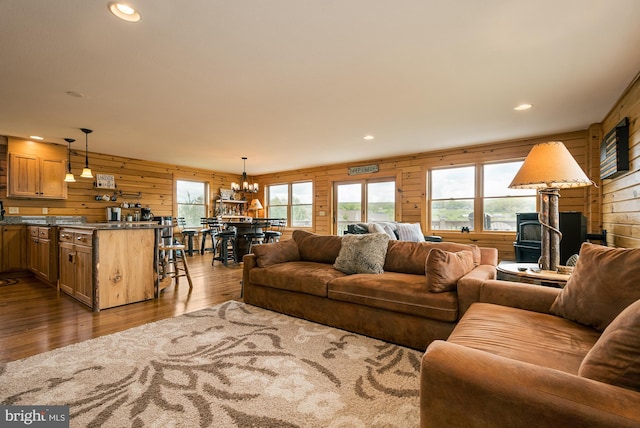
x,y
297,277
527,355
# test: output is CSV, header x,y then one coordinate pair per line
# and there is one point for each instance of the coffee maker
x,y
147,215
113,213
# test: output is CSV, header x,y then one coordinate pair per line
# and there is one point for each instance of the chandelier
x,y
246,186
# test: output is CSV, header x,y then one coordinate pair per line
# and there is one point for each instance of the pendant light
x,y
86,171
69,178
246,187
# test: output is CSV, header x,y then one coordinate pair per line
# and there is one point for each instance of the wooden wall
x,y
154,180
410,173
621,195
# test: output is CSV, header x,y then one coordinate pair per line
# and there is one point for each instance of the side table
x,y
529,273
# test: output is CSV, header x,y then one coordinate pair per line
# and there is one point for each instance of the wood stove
x,y
573,226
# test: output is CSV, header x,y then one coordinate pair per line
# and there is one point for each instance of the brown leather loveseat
x,y
297,277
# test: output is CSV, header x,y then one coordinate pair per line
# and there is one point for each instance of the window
x,y
501,204
456,196
377,197
192,201
278,197
452,198
293,202
301,204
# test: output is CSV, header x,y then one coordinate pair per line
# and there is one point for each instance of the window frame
x,y
478,196
206,203
289,206
364,197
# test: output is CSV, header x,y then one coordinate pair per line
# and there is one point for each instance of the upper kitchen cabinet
x,y
36,170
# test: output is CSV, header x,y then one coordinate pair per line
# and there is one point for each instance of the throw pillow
x,y
444,269
362,253
615,358
603,283
375,228
389,230
279,252
383,228
410,232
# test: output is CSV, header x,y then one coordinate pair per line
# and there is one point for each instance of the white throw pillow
x,y
375,228
410,232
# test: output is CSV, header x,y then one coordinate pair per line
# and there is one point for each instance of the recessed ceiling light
x,y
124,11
75,94
36,137
369,137
522,107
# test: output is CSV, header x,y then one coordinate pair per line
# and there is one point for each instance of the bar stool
x,y
173,264
253,238
225,241
276,228
207,230
187,234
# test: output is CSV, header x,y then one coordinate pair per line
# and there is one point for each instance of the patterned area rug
x,y
230,365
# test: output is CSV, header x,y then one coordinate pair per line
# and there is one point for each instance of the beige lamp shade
x,y
255,205
549,165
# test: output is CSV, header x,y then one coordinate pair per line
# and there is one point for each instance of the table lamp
x,y
548,168
255,206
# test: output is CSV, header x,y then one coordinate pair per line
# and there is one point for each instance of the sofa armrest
x,y
488,256
249,261
469,286
536,298
461,386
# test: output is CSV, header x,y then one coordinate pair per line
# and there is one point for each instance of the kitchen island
x,y
104,265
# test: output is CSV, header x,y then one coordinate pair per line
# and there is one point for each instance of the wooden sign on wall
x,y
366,169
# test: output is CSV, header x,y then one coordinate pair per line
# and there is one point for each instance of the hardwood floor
x,y
35,318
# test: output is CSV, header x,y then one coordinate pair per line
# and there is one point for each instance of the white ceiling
x,y
299,83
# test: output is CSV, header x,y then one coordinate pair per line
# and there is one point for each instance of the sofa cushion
x,y
410,232
411,257
399,292
615,358
603,283
445,268
362,253
278,252
317,248
532,337
303,277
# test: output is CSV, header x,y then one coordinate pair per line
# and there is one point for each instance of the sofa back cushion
x,y
615,358
411,257
279,252
603,283
445,268
317,248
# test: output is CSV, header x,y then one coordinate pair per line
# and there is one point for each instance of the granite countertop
x,y
118,225
78,222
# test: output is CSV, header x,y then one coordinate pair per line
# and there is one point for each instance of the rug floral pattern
x,y
230,365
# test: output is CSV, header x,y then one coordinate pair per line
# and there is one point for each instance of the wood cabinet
x,y
76,264
13,246
103,268
42,252
36,170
